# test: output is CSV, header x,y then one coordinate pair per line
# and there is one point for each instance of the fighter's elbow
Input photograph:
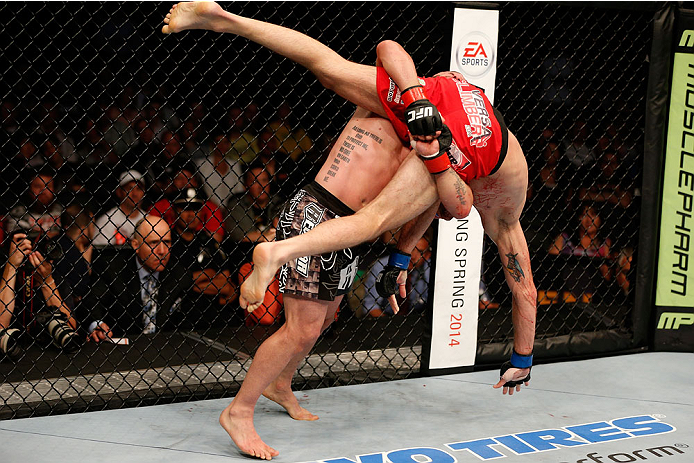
x,y
462,211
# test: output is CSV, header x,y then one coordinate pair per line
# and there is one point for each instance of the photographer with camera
x,y
73,269
37,302
196,250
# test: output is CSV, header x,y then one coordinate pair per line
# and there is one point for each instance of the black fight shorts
x,y
322,277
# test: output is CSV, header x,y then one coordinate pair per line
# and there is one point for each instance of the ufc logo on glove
x,y
421,113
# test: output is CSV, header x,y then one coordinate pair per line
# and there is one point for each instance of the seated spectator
x,y
294,141
221,179
182,175
242,138
39,209
578,153
623,270
284,171
417,283
196,250
116,226
252,215
586,242
74,267
140,292
36,307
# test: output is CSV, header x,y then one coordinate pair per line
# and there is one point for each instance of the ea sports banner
x,y
675,282
456,274
473,51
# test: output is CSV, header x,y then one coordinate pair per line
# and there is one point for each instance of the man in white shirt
x,y
117,225
221,178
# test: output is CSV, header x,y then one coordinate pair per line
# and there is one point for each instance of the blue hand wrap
x,y
399,260
521,361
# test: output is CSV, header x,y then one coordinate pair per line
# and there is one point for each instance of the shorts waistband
x,y
327,199
504,141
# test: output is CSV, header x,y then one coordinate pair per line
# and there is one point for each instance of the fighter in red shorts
x,y
480,136
411,198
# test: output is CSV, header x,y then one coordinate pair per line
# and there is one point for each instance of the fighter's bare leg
x,y
352,81
410,192
296,336
499,200
280,390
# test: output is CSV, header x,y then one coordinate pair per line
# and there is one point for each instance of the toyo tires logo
x,y
529,443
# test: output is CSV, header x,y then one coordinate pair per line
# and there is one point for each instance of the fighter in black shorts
x,y
322,277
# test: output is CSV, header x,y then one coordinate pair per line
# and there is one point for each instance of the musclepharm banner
x,y
459,244
675,283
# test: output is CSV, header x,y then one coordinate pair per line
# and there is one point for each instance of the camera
x,y
9,343
49,247
211,255
59,331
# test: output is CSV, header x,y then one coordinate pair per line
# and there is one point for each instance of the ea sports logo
x,y
475,54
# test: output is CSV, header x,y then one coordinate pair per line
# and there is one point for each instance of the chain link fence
x,y
104,121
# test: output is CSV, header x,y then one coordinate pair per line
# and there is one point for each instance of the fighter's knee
x,y
387,46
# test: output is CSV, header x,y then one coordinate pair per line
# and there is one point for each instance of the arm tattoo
x,y
514,268
460,191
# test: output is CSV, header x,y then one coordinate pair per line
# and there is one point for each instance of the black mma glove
x,y
387,280
421,115
440,162
517,361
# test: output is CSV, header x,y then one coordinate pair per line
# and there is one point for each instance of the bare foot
x,y
194,15
287,400
264,270
242,432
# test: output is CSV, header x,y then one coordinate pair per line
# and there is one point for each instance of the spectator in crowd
x,y
607,186
221,178
294,141
577,151
30,300
194,131
182,175
196,250
417,283
547,195
584,277
284,171
252,216
244,145
73,268
117,131
58,145
173,147
623,268
28,153
94,149
40,209
140,292
116,226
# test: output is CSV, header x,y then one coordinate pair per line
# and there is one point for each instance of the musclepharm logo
x,y
525,443
687,39
673,320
